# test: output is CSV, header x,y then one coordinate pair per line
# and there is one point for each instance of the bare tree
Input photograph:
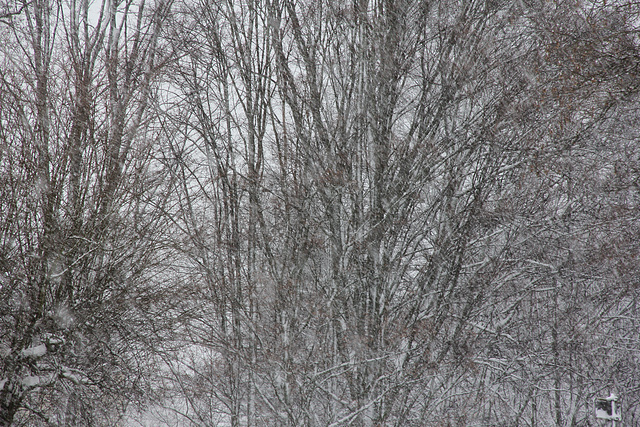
x,y
79,204
557,348
381,210
341,166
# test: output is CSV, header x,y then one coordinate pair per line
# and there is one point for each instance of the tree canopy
x,y
318,213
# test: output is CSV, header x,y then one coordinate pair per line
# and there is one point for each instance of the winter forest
x,y
319,212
